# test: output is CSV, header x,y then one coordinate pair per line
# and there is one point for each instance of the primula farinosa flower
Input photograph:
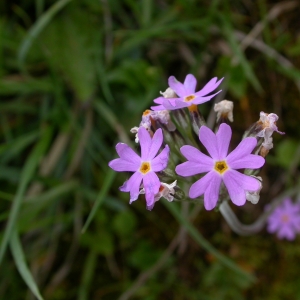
x,y
166,191
220,166
285,220
224,110
144,166
186,93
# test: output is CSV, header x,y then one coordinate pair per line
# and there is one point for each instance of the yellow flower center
x,y
189,98
145,167
285,218
221,166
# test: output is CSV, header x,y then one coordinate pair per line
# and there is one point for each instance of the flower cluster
x,y
285,220
176,124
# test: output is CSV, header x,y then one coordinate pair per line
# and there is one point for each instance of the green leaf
x,y
19,258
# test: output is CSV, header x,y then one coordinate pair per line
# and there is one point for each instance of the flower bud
x,y
169,93
253,196
224,111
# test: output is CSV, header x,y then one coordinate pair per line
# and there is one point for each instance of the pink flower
x,y
186,93
220,166
144,167
285,220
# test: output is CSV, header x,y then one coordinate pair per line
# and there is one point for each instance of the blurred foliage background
x,y
75,76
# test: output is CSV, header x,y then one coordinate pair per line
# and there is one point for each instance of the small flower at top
x,y
144,166
186,93
285,220
220,166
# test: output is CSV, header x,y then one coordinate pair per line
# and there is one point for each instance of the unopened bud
x,y
224,110
253,196
169,93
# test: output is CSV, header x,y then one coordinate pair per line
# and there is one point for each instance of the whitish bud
x,y
224,110
253,196
169,93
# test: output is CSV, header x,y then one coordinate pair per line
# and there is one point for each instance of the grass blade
x,y
100,198
19,258
37,28
27,174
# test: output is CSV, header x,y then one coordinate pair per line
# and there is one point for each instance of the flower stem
x,y
243,229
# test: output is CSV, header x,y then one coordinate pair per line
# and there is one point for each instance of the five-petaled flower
x,y
220,166
186,93
285,220
144,166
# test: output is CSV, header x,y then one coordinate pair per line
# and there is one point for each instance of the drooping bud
x,y
224,111
165,190
253,196
136,129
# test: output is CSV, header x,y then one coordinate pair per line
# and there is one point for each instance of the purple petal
x,y
189,168
250,161
177,87
198,188
151,185
209,87
235,190
200,99
193,154
190,83
169,104
288,205
126,153
245,147
158,100
160,162
246,182
287,232
273,226
132,185
121,165
156,143
145,142
209,140
158,107
176,103
211,194
181,104
223,139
